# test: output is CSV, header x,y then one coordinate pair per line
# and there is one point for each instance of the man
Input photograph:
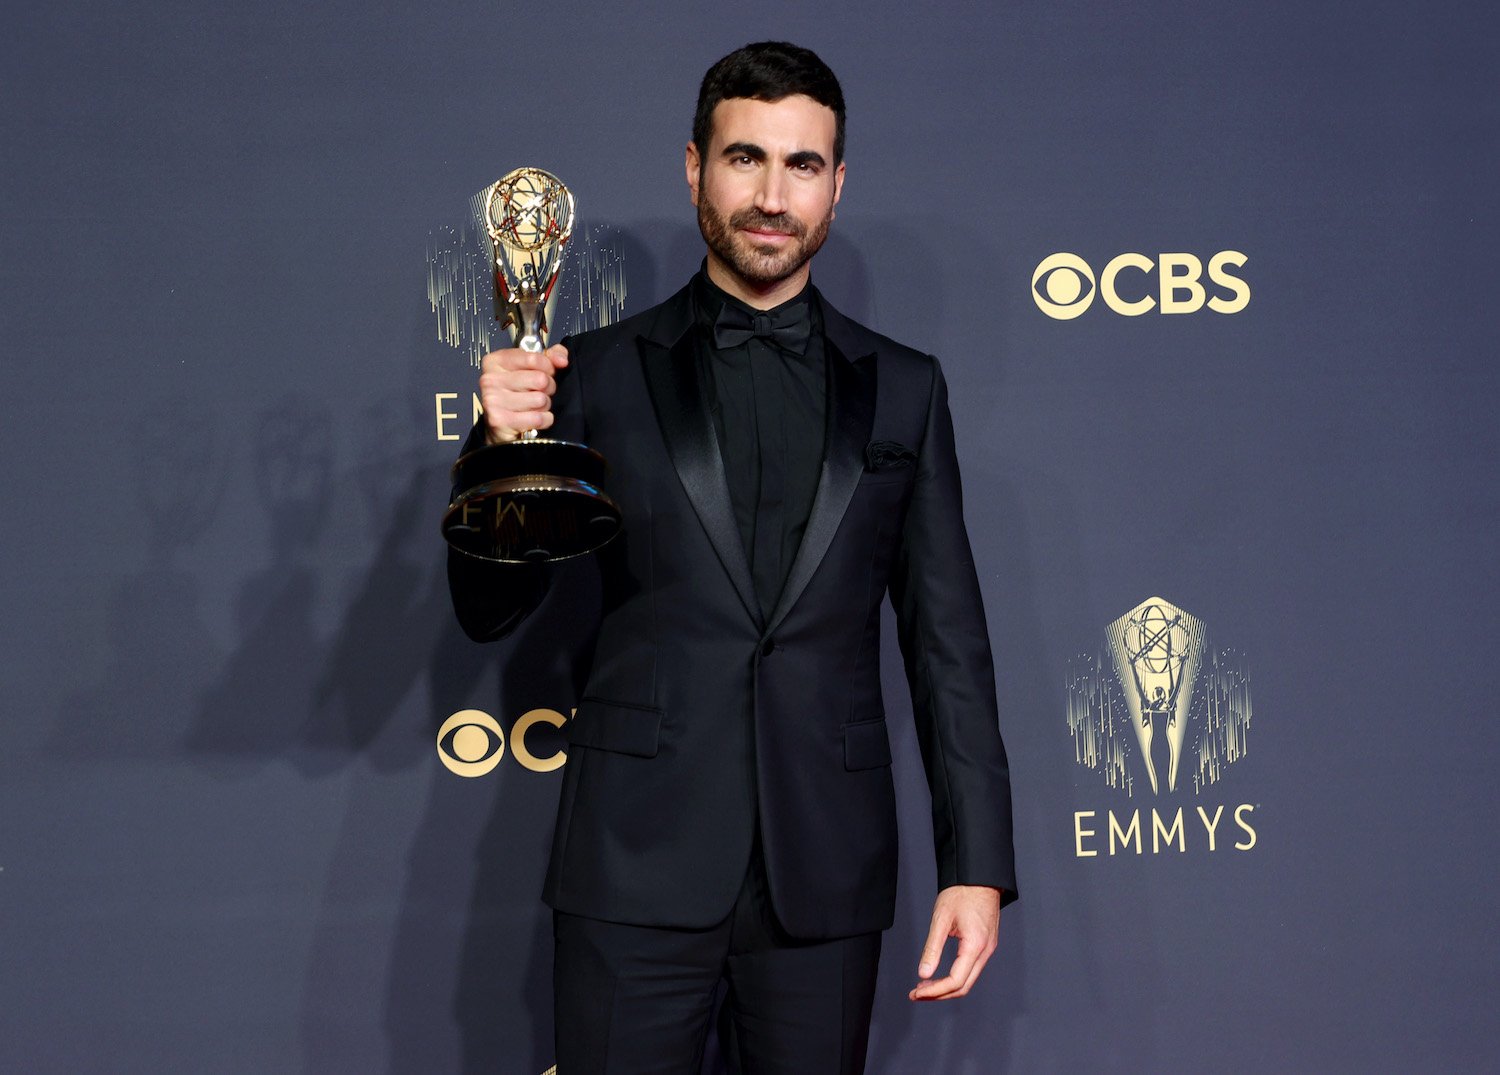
x,y
727,810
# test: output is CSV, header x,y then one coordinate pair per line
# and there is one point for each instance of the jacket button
x,y
768,647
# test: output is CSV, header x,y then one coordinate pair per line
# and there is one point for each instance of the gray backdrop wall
x,y
228,838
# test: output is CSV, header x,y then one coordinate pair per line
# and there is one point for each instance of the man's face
x,y
765,191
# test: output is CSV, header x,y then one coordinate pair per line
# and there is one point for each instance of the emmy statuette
x,y
534,499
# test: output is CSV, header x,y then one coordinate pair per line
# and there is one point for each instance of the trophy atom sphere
x,y
530,210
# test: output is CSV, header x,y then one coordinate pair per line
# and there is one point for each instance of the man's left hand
x,y
972,914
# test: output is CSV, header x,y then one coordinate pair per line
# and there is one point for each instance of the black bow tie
x,y
789,327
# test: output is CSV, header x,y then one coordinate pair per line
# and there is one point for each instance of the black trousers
x,y
634,999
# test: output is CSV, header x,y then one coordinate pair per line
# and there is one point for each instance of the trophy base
x,y
530,501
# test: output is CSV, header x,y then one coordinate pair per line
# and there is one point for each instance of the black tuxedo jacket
x,y
701,716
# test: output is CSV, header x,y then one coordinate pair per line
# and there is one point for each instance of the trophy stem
x,y
529,306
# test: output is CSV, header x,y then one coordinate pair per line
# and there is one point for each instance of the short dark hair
x,y
769,71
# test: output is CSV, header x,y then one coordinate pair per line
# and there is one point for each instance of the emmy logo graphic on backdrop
x,y
1158,701
1159,705
1157,649
533,499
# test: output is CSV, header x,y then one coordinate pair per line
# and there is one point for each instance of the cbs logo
x,y
1064,285
471,743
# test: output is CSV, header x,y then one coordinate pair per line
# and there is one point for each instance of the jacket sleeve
x,y
491,599
946,648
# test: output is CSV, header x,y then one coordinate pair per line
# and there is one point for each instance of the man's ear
x,y
838,187
694,166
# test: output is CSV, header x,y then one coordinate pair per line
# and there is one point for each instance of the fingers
x,y
516,389
972,955
513,358
937,935
949,984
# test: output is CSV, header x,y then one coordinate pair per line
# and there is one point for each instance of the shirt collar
x,y
709,297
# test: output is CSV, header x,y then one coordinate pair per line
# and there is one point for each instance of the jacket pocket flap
x,y
866,745
624,729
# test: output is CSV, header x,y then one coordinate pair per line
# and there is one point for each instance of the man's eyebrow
x,y
805,156
745,149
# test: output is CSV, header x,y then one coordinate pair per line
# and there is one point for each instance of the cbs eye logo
x,y
1064,285
471,742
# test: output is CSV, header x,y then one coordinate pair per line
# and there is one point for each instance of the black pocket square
x,y
888,455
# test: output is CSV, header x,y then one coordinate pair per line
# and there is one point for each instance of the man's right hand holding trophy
x,y
516,389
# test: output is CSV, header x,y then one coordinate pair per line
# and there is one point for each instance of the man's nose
x,y
770,197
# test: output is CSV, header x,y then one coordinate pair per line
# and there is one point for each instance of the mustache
x,y
756,220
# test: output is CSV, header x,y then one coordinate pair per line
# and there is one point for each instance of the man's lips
x,y
764,236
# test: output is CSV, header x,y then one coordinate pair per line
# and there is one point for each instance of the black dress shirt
x,y
768,410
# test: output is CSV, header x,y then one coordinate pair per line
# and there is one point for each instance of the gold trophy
x,y
533,499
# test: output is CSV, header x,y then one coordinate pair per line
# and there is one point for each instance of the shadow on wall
x,y
292,690
256,708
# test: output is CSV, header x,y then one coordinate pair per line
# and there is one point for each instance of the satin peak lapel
x,y
675,381
851,416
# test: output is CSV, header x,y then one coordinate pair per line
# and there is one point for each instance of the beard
x,y
759,265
